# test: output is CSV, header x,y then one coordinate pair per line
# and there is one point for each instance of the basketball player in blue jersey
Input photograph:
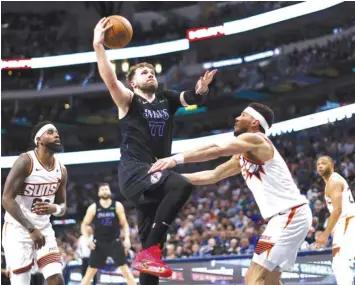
x,y
146,122
35,189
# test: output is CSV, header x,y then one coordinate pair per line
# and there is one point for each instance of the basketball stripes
x,y
347,222
263,246
335,250
49,258
292,214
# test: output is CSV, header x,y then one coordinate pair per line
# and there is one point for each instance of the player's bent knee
x,y
51,269
21,279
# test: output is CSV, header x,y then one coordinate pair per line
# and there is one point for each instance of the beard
x,y
105,197
149,87
55,148
327,172
240,131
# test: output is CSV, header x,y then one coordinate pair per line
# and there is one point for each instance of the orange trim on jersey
x,y
292,214
347,222
23,269
264,246
253,161
335,250
49,258
48,169
31,167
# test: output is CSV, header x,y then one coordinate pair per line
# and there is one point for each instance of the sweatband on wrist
x,y
192,98
179,158
59,209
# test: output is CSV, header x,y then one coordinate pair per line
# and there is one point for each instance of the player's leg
x,y
176,190
49,259
127,274
18,249
273,278
89,275
97,260
344,255
256,274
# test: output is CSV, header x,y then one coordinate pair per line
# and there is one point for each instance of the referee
x,y
108,218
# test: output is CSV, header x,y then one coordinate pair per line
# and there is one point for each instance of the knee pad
x,y
21,279
51,269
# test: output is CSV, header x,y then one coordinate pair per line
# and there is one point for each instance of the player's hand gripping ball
x,y
120,33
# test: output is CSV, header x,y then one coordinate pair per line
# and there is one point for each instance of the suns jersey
x,y
271,183
40,185
348,204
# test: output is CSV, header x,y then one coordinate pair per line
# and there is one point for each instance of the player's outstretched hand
x,y
162,164
202,84
99,31
37,238
44,208
321,240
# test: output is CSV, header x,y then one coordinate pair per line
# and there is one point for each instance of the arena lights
x,y
276,16
88,57
293,125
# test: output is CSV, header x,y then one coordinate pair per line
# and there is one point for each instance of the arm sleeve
x,y
173,99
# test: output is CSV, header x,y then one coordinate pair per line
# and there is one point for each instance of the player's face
x,y
242,124
145,80
324,166
105,192
51,140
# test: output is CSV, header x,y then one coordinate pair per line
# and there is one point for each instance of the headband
x,y
257,116
43,130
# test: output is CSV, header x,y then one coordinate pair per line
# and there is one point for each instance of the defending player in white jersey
x,y
341,222
34,189
270,180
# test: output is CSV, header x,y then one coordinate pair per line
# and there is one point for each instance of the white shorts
x,y
343,238
20,254
282,238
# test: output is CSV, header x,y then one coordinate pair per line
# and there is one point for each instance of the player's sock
x,y
147,279
342,271
169,207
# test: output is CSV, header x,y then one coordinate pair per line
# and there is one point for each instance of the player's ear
x,y
132,83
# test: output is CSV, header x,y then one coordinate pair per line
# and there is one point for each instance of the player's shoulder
x,y
92,207
336,180
118,205
23,162
255,138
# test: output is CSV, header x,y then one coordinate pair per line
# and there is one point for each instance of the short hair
x,y
132,71
265,111
327,157
102,185
36,128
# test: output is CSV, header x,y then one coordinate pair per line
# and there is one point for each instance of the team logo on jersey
x,y
156,114
250,169
39,190
155,177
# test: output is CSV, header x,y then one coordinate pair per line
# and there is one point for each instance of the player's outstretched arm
x,y
225,170
242,143
124,225
195,97
89,216
119,93
13,186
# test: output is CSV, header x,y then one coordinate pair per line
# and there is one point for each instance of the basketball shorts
x,y
134,178
282,238
103,250
20,254
343,238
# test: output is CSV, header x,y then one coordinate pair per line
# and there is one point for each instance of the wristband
x,y
59,209
179,158
205,93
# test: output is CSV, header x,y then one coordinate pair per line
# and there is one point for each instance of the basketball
x,y
120,34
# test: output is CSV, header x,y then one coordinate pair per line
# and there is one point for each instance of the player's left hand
x,y
162,164
202,84
321,240
127,245
44,208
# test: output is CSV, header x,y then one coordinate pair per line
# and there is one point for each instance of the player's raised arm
x,y
225,170
13,185
195,97
119,93
243,143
